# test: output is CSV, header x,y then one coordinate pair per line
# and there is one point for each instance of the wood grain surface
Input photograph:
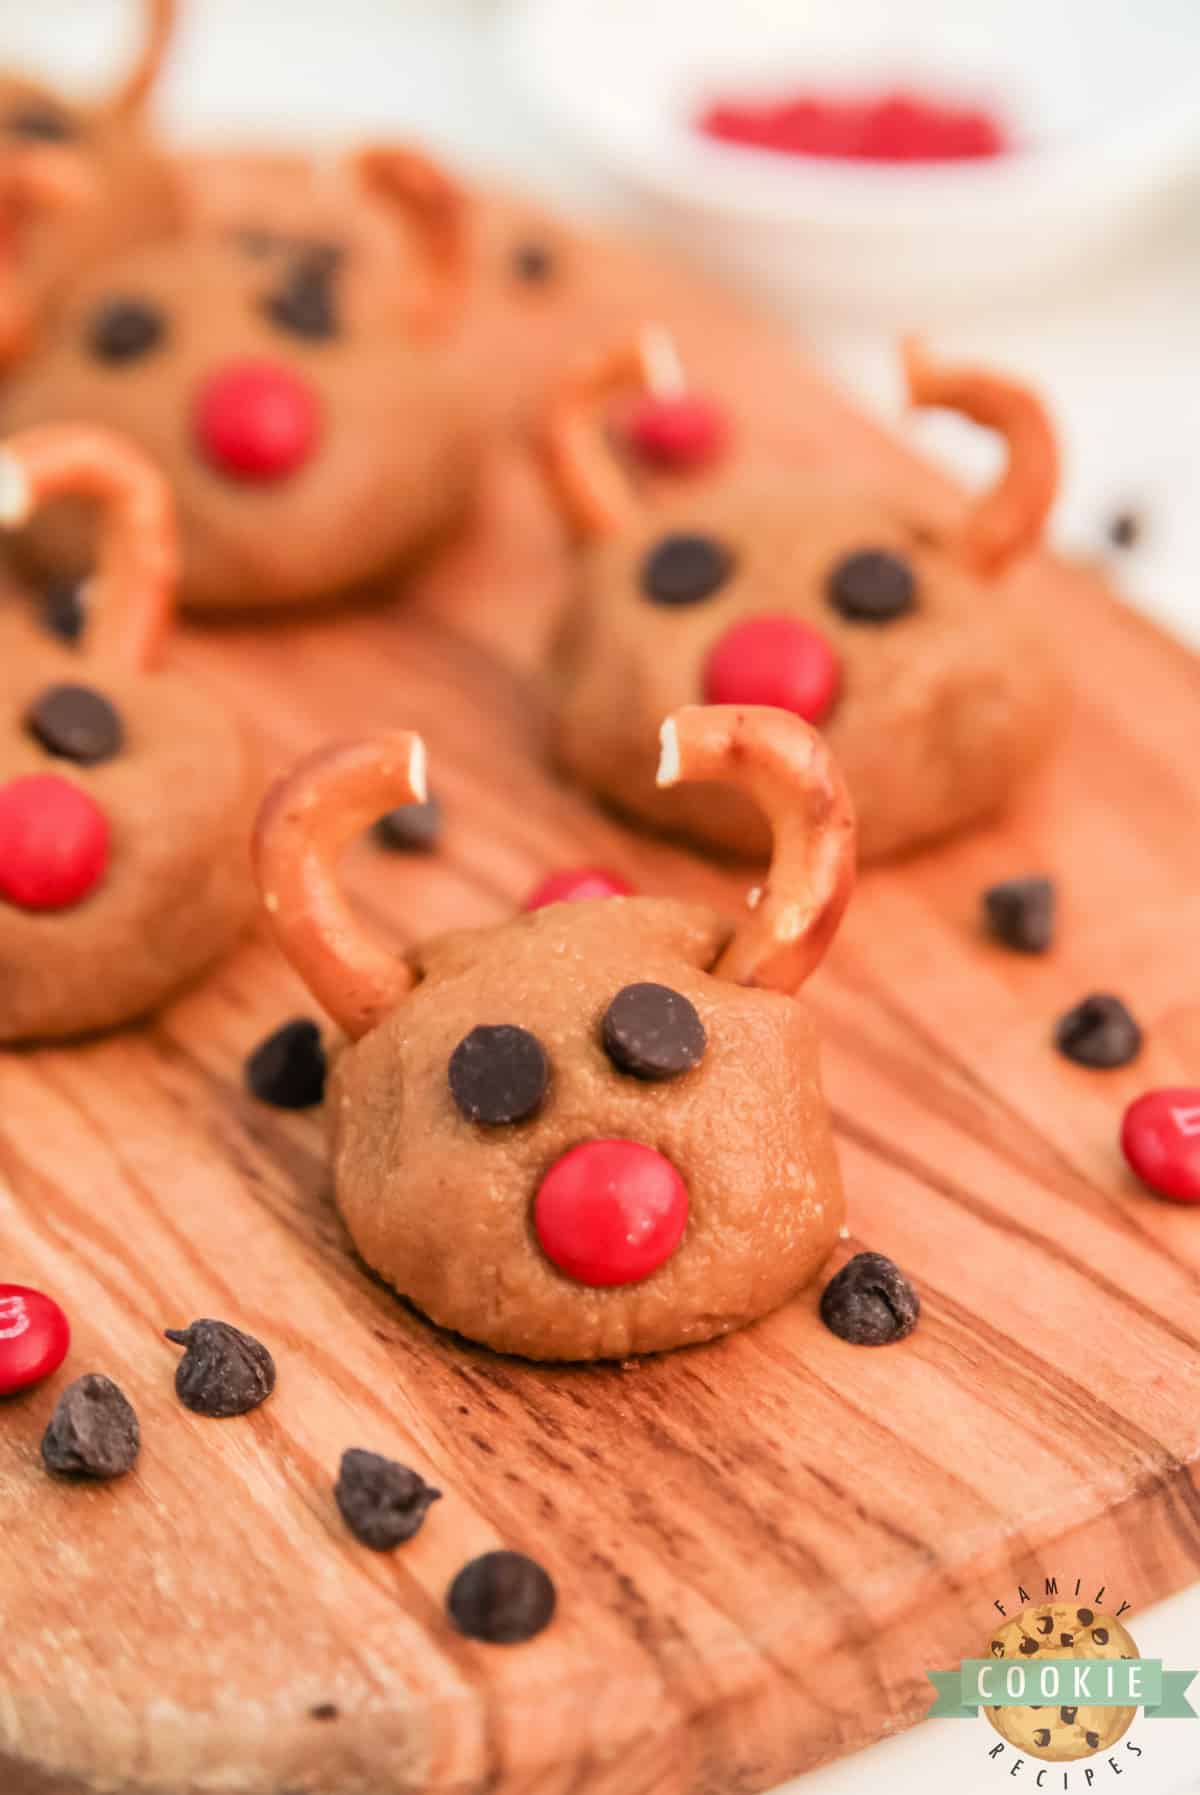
x,y
760,1546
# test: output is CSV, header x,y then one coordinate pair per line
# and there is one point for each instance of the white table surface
x,y
1119,356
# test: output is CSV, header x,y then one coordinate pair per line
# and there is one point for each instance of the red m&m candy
x,y
775,660
610,1212
1160,1137
53,842
679,433
575,882
257,420
34,1337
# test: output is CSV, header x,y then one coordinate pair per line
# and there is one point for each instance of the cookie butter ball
x,y
920,655
126,793
597,1129
312,444
78,183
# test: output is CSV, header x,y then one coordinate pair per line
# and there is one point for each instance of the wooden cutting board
x,y
761,1546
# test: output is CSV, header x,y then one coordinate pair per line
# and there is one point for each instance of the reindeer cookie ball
x,y
312,445
126,794
77,183
597,1129
920,655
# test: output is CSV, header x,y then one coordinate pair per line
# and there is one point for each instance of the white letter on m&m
x,y
14,1317
1187,1120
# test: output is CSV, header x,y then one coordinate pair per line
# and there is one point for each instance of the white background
x,y
1120,360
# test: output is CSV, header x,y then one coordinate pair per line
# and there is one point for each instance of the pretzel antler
x,y
1007,521
436,206
45,178
161,17
132,594
306,820
786,767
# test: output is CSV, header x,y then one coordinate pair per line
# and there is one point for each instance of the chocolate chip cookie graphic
x,y
1061,1734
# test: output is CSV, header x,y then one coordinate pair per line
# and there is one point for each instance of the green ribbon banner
x,y
1062,1682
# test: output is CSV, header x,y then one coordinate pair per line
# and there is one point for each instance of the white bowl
x,y
1103,97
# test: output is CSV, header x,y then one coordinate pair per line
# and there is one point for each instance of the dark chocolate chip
x,y
683,569
124,329
1046,1624
1084,1616
533,262
287,1070
503,1597
653,1032
76,723
304,305
1066,1639
870,1302
1098,1032
410,828
1093,1740
997,1648
1020,913
1042,1736
1100,1635
63,613
382,1502
40,122
1067,1716
324,1711
499,1074
872,586
93,1431
223,1371
1029,1647
1125,529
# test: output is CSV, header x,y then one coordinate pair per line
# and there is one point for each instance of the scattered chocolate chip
x,y
1125,529
1093,1740
287,1070
324,1711
124,329
1098,1032
1046,1624
40,122
683,569
533,262
997,1648
223,1372
382,1503
1067,1716
410,828
1066,1639
870,1302
499,1074
63,613
872,586
304,305
1029,1648
1100,1635
1020,913
652,1032
76,723
503,1597
1042,1736
1084,1616
93,1431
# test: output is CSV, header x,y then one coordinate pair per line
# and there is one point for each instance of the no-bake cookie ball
x,y
313,439
597,1129
126,793
919,653
1063,1731
78,183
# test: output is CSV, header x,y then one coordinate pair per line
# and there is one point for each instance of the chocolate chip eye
x,y
76,723
872,586
39,122
63,612
682,569
304,304
533,262
124,329
652,1032
499,1074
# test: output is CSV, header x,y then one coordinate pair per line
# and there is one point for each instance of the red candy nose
x,y
680,433
574,883
774,660
53,842
610,1212
256,420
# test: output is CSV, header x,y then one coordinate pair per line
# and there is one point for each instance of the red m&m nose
x,y
774,660
1160,1137
678,433
610,1212
34,1337
53,842
257,420
575,882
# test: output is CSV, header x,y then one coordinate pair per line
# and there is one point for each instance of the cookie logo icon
x,y
1070,1727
